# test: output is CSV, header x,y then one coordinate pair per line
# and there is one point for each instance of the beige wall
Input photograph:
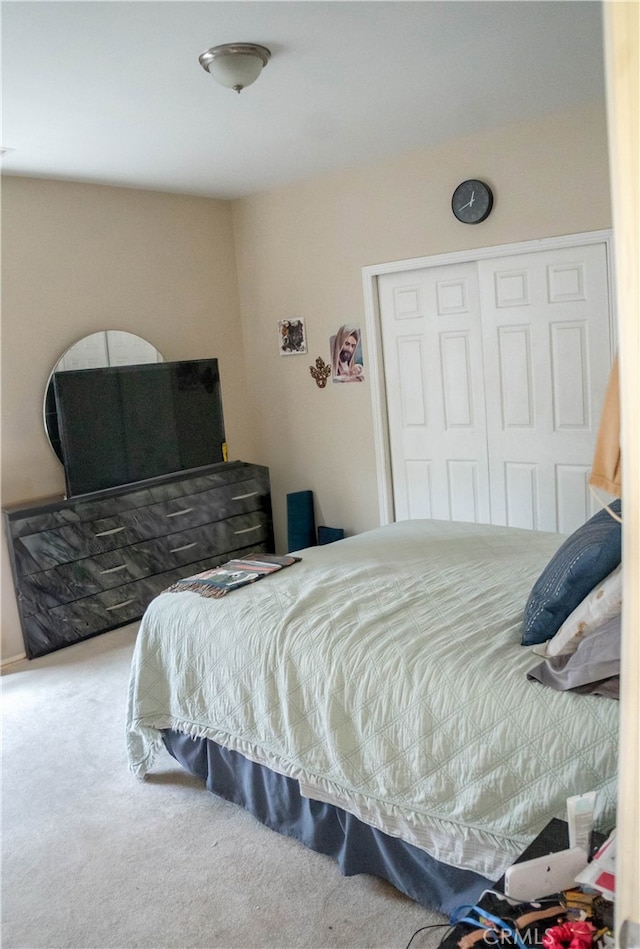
x,y
301,251
80,258
77,259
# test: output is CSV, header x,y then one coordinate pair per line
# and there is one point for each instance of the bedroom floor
x,y
94,858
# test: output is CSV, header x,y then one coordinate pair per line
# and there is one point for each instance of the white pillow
x,y
603,602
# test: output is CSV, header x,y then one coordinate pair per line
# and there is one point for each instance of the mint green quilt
x,y
385,674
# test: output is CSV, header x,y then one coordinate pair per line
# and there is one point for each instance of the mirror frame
x,y
94,351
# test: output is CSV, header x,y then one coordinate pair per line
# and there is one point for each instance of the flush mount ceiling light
x,y
235,65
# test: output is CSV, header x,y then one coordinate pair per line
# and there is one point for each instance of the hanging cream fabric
x,y
606,471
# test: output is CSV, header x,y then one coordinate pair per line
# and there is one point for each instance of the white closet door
x,y
547,357
495,372
432,347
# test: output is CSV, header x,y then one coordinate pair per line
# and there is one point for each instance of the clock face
x,y
472,201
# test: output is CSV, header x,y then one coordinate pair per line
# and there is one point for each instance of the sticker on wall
x,y
292,339
346,355
320,372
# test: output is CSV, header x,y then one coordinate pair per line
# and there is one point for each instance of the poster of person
x,y
346,355
291,337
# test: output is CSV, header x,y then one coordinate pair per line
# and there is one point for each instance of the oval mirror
x,y
106,348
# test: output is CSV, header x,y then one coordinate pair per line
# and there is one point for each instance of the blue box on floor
x,y
328,535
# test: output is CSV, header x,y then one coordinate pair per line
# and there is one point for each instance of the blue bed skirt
x,y
275,801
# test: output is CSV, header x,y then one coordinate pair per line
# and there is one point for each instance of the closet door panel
x,y
432,346
546,345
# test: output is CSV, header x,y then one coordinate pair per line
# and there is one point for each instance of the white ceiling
x,y
113,93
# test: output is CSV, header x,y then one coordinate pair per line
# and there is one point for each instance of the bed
x,y
374,701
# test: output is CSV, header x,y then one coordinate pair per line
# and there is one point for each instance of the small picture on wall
x,y
346,355
292,339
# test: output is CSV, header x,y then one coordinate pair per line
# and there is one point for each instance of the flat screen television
x,y
123,424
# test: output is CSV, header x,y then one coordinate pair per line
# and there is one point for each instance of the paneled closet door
x,y
495,372
547,356
433,366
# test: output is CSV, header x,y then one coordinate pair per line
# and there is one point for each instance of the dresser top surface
x,y
55,502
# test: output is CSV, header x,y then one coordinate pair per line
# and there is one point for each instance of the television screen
x,y
123,424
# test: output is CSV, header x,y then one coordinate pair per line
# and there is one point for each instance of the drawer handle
x,y
241,497
246,530
186,510
122,566
175,550
118,606
114,530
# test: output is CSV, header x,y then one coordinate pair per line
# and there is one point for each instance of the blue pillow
x,y
583,560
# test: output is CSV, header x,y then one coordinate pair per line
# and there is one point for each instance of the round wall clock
x,y
472,201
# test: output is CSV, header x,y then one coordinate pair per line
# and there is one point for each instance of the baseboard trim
x,y
12,659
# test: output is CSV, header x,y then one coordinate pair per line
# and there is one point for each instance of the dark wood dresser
x,y
85,565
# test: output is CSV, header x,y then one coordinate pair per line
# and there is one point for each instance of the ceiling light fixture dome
x,y
235,65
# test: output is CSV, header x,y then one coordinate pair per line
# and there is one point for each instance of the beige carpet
x,y
95,858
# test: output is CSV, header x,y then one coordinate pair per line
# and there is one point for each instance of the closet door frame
x,y
375,366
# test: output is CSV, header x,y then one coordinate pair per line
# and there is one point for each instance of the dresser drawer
x,y
47,549
54,513
215,504
43,550
71,581
63,625
71,622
